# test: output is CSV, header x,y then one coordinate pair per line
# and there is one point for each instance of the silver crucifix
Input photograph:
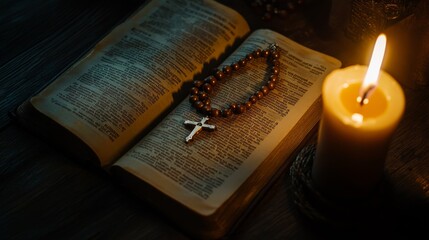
x,y
198,126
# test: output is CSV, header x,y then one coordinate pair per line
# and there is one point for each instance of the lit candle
x,y
358,121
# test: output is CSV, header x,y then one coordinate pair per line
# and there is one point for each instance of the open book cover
x,y
123,108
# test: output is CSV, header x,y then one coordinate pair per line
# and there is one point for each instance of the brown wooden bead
x,y
275,62
219,75
202,95
198,83
275,55
240,109
265,90
270,85
227,70
233,107
194,91
273,78
253,99
193,98
257,53
215,112
207,101
198,105
235,66
275,70
249,57
206,109
207,87
226,112
265,53
259,95
242,62
211,80
248,104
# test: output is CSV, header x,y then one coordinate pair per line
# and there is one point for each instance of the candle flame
x,y
371,78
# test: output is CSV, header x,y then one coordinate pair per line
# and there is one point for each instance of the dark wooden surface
x,y
49,195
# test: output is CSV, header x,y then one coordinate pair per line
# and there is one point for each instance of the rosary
x,y
200,92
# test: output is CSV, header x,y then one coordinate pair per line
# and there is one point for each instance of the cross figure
x,y
198,126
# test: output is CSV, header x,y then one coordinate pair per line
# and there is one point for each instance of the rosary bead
x,y
198,105
211,80
271,85
253,99
226,112
194,91
249,57
215,112
207,101
248,104
275,70
193,98
202,95
206,109
257,53
259,95
227,70
219,75
273,78
207,87
242,62
233,107
240,109
265,90
235,66
198,83
265,53
275,62
275,55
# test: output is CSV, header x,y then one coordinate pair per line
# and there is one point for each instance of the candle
x,y
358,121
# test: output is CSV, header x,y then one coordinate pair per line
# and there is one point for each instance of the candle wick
x,y
364,99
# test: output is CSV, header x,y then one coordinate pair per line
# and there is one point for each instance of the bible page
x,y
133,74
204,173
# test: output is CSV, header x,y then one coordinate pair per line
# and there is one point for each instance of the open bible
x,y
123,107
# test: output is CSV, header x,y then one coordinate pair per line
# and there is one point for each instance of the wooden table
x,y
47,194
